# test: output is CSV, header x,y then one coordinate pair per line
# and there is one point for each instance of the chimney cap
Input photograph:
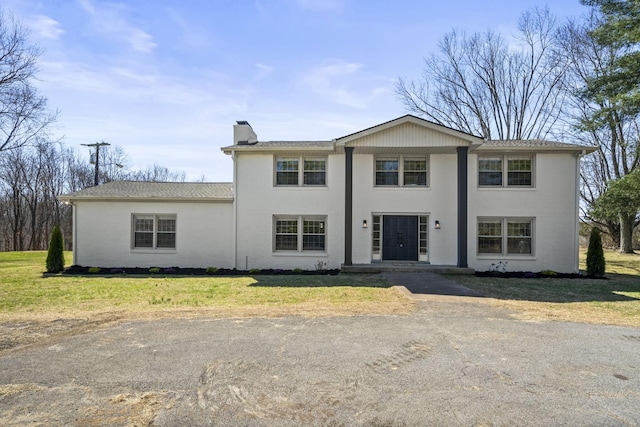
x,y
243,122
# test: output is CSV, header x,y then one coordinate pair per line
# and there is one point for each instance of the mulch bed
x,y
177,271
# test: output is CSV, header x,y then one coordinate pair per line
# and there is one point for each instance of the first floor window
x,y
154,231
505,236
300,233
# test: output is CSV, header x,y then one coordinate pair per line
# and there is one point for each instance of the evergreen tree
x,y
595,255
55,256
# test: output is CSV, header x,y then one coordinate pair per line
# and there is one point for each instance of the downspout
x,y
235,211
576,241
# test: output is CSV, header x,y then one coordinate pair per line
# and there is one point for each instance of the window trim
x,y
504,236
155,231
300,170
504,170
300,233
401,159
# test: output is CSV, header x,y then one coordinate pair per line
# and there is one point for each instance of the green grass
x,y
24,291
615,300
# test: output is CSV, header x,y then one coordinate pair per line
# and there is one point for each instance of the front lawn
x,y
615,300
25,293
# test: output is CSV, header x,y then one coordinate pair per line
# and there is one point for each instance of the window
x,y
314,172
154,231
517,169
387,172
505,236
375,235
287,235
405,171
300,233
289,173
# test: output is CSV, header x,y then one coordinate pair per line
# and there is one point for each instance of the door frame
x,y
423,227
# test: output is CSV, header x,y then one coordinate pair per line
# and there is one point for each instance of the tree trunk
x,y
626,233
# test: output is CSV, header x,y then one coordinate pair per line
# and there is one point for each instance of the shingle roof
x,y
282,145
533,143
156,190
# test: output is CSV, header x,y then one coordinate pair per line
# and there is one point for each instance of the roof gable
x,y
409,131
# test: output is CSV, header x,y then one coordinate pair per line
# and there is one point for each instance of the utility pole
x,y
97,162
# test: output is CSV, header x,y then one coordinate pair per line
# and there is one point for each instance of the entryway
x,y
399,238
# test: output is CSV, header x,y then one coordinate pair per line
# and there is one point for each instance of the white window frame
x,y
155,231
300,233
300,170
401,170
505,237
504,159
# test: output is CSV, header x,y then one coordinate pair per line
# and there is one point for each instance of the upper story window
x,y
401,171
154,231
290,173
518,171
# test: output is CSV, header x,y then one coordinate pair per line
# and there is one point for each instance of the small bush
x,y
254,271
94,270
154,270
297,270
212,270
548,273
595,255
55,256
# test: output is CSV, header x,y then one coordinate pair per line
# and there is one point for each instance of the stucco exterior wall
x,y
552,204
258,201
103,233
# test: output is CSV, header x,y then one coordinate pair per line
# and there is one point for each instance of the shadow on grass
x,y
321,281
618,287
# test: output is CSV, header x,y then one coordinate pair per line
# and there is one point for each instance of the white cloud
x,y
108,19
45,27
263,71
321,5
337,81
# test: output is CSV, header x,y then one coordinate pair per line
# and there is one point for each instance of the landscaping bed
x,y
178,271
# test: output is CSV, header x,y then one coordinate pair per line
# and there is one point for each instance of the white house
x,y
404,191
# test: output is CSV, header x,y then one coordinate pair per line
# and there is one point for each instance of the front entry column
x,y
348,206
462,206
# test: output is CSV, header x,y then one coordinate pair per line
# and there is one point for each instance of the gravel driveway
x,y
455,361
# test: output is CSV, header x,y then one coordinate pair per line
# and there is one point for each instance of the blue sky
x,y
167,79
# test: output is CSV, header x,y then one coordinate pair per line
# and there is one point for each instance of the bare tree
x,y
482,85
23,113
615,132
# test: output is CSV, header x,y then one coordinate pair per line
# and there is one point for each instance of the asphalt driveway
x,y
455,361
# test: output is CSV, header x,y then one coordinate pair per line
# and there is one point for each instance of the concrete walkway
x,y
427,283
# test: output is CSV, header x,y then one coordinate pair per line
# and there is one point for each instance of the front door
x,y
400,238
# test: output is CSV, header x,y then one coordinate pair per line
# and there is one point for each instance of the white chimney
x,y
243,134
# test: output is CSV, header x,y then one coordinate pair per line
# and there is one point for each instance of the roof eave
x,y
69,198
566,148
250,149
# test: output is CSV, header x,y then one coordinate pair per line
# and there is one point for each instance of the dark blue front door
x,y
400,238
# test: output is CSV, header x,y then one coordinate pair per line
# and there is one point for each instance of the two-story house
x,y
405,191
